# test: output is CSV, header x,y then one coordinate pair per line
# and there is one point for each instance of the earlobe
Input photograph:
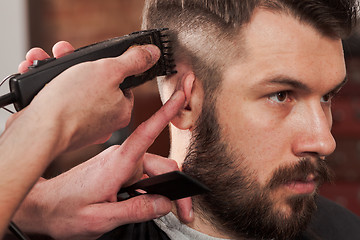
x,y
188,116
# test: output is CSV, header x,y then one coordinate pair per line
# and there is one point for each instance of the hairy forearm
x,y
26,148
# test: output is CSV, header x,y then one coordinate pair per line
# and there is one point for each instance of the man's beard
x,y
237,205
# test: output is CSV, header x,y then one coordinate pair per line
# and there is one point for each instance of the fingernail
x,y
176,95
154,51
191,213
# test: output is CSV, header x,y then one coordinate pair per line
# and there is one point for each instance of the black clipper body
x,y
25,86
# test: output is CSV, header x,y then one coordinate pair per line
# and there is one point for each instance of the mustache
x,y
301,171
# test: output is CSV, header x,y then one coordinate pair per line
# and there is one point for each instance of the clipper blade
x,y
164,66
167,52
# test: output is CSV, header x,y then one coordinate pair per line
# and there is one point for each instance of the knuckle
x,y
91,225
145,132
113,149
144,56
141,208
138,58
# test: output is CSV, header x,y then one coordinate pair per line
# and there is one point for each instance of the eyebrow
x,y
298,84
290,82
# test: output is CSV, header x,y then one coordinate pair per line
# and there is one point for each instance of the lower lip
x,y
300,187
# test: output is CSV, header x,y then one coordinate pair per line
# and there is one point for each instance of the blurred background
x,y
41,23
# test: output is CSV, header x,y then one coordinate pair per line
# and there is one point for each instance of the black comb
x,y
173,185
24,87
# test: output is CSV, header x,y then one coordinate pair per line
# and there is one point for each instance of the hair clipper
x,y
24,87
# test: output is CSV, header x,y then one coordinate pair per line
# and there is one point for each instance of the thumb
x,y
137,60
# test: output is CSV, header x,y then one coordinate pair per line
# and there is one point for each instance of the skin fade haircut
x,y
203,30
205,33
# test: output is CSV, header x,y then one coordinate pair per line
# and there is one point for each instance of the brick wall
x,y
82,21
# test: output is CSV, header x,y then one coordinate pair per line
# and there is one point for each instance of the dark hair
x,y
332,18
221,20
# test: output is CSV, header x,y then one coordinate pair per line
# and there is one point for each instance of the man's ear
x,y
191,111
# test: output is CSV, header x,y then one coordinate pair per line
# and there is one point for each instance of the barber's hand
x,y
85,102
82,203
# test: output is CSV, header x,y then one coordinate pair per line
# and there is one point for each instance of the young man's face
x,y
273,112
275,105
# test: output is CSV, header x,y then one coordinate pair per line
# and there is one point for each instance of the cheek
x,y
255,135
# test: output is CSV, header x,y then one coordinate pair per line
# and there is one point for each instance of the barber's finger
x,y
144,135
184,210
23,66
155,165
62,48
138,209
36,54
32,54
135,60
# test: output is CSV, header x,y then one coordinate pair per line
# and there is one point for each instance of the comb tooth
x,y
163,29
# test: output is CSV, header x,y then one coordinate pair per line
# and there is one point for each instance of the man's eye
x,y
326,98
279,97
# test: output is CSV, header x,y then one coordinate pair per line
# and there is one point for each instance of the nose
x,y
314,133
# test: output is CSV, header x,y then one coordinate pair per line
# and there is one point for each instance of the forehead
x,y
278,44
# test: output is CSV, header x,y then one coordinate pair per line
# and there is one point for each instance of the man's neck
x,y
202,225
